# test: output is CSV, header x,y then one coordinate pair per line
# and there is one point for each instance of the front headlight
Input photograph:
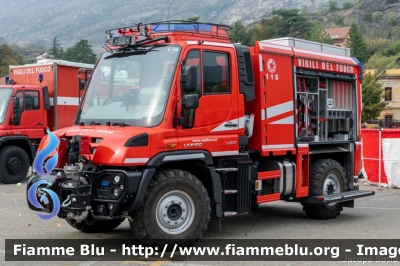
x,y
117,178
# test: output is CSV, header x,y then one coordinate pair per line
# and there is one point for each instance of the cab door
x,y
216,124
29,116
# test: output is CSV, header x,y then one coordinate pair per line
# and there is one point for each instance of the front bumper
x,y
97,195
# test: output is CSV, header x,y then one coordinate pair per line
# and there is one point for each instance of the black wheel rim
x,y
14,165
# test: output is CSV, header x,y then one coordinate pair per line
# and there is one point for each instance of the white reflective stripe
x,y
65,101
242,122
277,146
136,160
261,63
184,156
358,142
279,109
325,55
268,45
50,62
212,43
285,121
224,153
302,145
238,121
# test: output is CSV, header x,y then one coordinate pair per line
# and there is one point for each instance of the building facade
x,y
391,84
339,35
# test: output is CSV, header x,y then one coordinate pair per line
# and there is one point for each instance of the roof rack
x,y
175,26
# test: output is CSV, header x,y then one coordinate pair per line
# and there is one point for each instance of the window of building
x,y
388,118
388,94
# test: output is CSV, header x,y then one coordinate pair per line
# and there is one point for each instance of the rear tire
x,y
96,227
14,164
326,177
176,207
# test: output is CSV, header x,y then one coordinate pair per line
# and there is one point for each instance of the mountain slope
x,y
376,19
38,21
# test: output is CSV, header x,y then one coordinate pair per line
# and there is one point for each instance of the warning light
x,y
40,77
172,146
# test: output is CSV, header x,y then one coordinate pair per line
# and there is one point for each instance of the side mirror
x,y
46,98
17,111
190,101
189,78
82,84
16,103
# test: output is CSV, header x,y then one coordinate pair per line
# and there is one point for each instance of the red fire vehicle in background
x,y
178,126
36,97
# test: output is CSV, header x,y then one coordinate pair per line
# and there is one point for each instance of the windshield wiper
x,y
94,123
122,52
121,124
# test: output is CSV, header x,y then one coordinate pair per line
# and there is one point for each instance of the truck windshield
x,y
5,95
130,87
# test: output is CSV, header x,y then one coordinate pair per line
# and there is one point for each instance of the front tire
x,y
326,177
14,164
176,207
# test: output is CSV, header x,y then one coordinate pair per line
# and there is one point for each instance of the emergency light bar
x,y
116,37
122,41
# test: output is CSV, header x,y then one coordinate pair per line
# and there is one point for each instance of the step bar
x,y
338,197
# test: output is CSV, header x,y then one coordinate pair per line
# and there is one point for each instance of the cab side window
x,y
193,59
19,96
216,73
31,100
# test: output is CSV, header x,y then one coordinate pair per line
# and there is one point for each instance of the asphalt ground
x,y
376,217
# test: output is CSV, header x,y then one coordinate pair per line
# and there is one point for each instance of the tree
x,y
376,44
81,52
393,49
287,23
69,54
333,6
8,57
240,34
357,44
318,34
338,21
347,5
195,18
55,50
380,62
367,17
372,96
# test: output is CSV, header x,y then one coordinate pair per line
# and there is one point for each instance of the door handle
x,y
230,125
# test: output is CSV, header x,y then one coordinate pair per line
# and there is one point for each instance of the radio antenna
x,y
168,11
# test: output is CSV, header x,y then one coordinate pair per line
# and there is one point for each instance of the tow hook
x,y
79,217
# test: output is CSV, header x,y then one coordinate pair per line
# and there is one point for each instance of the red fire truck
x,y
178,127
36,97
